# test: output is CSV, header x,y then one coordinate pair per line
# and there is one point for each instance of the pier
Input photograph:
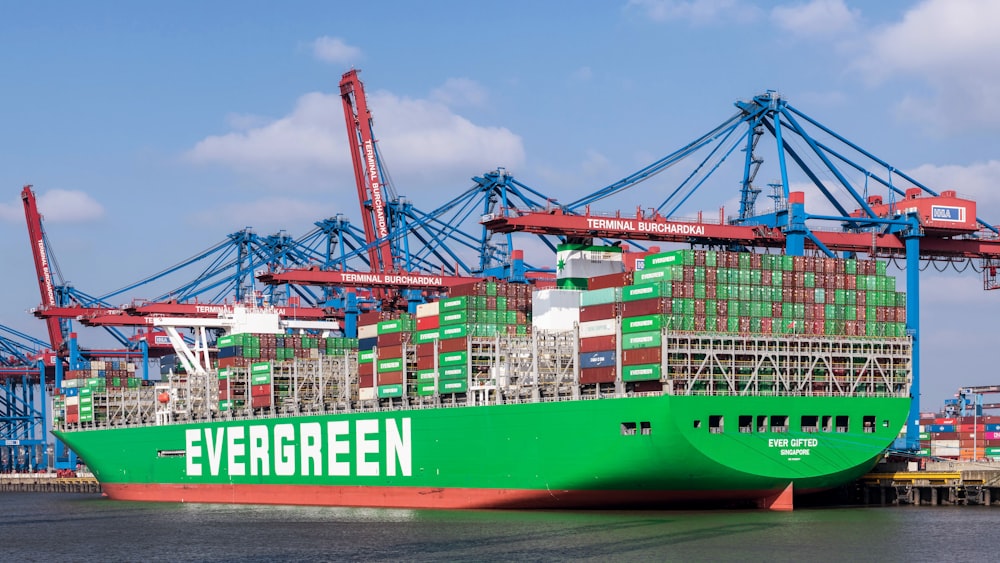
x,y
938,484
47,483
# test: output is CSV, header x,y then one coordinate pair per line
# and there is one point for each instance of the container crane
x,y
23,408
373,192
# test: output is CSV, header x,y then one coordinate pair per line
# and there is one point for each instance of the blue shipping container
x,y
597,359
941,428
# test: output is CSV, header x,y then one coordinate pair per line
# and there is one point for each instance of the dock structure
x,y
938,484
47,483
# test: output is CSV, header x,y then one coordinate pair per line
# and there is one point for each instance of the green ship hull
x,y
653,450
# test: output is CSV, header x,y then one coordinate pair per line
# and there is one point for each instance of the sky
x,y
150,131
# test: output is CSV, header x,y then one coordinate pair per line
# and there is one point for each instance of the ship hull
x,y
614,452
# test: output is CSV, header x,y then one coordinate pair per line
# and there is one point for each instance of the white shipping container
x,y
366,393
428,310
602,327
368,331
555,309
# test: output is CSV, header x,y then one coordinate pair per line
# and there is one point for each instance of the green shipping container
x,y
455,317
454,372
648,339
366,356
388,391
426,389
643,323
647,291
454,331
453,358
456,386
645,372
426,375
390,364
425,336
674,257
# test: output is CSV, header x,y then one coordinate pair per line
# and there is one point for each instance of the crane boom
x,y
41,256
371,188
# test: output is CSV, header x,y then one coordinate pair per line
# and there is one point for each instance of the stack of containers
x,y
426,338
456,320
390,364
599,310
367,340
964,438
738,292
260,384
86,405
72,406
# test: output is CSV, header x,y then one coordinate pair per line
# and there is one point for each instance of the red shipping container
x,y
366,380
72,418
72,409
387,352
260,390
366,368
390,339
655,306
766,325
945,421
260,402
610,280
390,378
426,349
425,362
639,356
223,394
454,344
426,323
597,343
598,375
598,312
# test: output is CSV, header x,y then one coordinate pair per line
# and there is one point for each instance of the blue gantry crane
x,y
865,206
23,405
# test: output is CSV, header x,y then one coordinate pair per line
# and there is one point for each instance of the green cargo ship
x,y
629,451
505,418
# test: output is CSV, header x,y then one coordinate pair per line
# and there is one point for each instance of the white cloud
x,y
818,18
695,11
57,206
949,45
423,143
310,137
460,92
335,50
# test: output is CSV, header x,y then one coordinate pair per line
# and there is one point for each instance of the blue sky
x,y
152,130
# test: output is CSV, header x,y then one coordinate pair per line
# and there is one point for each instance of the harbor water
x,y
79,527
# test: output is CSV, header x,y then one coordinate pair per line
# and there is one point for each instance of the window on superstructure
x,y
628,429
746,423
762,423
810,423
779,423
827,423
868,423
697,424
843,423
716,422
645,428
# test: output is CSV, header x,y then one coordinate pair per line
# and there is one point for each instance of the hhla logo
x,y
340,448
